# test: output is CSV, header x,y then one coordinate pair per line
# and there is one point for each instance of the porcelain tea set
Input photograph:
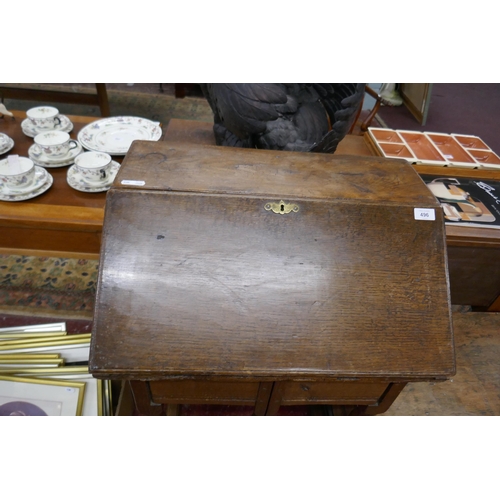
x,y
6,143
44,118
24,178
21,179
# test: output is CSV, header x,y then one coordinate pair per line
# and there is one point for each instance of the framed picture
x,y
27,339
106,401
20,396
8,365
92,402
42,372
91,406
73,348
100,400
51,340
33,336
29,356
48,327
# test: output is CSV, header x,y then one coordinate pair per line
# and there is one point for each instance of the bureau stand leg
x,y
262,401
342,410
386,400
142,399
173,410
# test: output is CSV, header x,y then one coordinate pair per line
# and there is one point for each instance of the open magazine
x,y
467,202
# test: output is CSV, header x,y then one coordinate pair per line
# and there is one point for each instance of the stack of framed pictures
x,y
44,372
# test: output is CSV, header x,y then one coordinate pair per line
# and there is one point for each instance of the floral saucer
x,y
115,134
76,181
43,181
36,154
6,143
31,131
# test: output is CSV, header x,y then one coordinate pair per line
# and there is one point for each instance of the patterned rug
x,y
47,286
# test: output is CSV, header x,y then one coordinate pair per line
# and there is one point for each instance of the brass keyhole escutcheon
x,y
282,207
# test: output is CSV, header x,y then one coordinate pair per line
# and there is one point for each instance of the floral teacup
x,y
16,173
44,117
55,143
94,167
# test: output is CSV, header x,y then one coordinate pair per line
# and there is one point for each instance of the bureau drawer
x,y
203,392
338,393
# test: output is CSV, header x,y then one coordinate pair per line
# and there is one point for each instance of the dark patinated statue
x,y
283,116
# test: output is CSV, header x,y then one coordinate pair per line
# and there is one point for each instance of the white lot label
x,y
133,183
424,213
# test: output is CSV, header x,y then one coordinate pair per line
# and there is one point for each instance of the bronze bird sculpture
x,y
283,116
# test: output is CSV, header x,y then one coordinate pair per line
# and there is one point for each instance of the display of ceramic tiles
x,y
454,150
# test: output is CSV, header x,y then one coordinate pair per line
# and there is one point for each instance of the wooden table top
x,y
60,194
61,221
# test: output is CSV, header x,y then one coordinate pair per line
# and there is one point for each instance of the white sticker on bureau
x,y
424,214
133,183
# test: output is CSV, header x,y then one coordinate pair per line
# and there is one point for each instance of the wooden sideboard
x,y
265,278
62,221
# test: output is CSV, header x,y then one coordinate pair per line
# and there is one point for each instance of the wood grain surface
x,y
245,172
199,279
472,250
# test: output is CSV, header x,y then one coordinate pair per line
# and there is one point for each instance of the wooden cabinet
x,y
270,278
